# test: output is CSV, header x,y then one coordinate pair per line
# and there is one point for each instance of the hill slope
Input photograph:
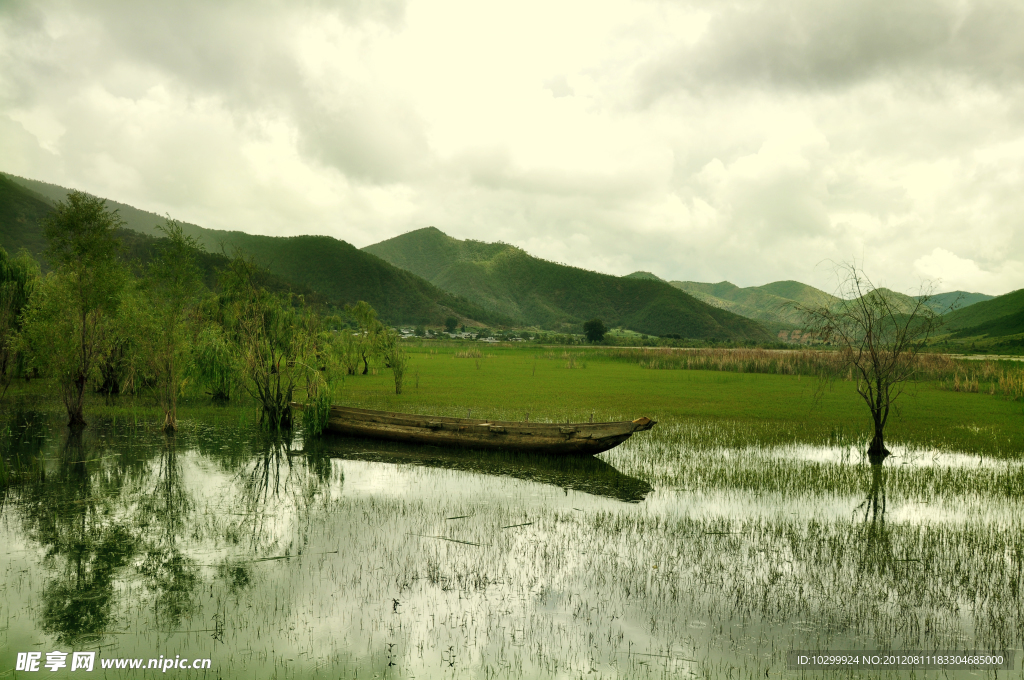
x,y
941,303
509,281
772,303
338,271
21,211
1000,316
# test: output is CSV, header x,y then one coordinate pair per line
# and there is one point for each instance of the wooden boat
x,y
584,439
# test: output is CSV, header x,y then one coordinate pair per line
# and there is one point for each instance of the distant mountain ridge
x,y
508,280
772,303
337,270
775,303
22,211
425,275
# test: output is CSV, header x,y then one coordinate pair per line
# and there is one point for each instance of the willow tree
x,y
349,348
370,329
878,334
213,364
67,328
392,354
174,288
18,278
321,364
270,339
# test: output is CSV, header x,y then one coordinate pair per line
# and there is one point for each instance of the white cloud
x,y
747,141
952,272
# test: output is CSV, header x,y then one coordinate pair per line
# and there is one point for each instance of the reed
x,y
1005,378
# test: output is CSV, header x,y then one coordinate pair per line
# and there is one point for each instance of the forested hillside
x,y
998,317
334,269
509,281
775,304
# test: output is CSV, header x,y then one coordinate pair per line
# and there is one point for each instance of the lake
x,y
671,555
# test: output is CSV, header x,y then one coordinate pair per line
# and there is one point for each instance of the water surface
x,y
276,557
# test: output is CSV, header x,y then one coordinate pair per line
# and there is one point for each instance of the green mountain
x,y
338,271
508,281
643,275
1000,316
772,304
943,303
21,211
796,291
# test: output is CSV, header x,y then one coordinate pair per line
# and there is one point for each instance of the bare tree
x,y
878,334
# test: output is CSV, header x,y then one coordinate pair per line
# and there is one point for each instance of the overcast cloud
x,y
707,141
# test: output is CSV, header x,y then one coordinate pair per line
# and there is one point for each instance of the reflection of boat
x,y
586,474
541,438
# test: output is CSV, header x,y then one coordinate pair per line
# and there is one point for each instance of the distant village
x,y
406,333
792,337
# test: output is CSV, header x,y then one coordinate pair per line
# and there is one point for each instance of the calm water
x,y
341,558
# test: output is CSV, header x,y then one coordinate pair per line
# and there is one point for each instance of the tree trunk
x,y
76,405
877,453
171,394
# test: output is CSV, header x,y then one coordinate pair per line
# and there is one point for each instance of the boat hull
x,y
571,439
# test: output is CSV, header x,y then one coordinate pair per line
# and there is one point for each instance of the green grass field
x,y
560,385
557,385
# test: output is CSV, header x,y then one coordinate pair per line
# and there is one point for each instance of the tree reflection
x,y
170,573
107,516
69,515
277,480
877,554
874,503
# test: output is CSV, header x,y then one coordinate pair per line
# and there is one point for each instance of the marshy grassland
x,y
708,547
748,397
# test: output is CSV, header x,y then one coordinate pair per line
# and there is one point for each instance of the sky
x,y
748,141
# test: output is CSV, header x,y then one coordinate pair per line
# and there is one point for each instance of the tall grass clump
x,y
986,377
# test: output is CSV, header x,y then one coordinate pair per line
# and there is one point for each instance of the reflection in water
x,y
109,508
877,557
874,503
256,552
170,575
69,515
585,473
